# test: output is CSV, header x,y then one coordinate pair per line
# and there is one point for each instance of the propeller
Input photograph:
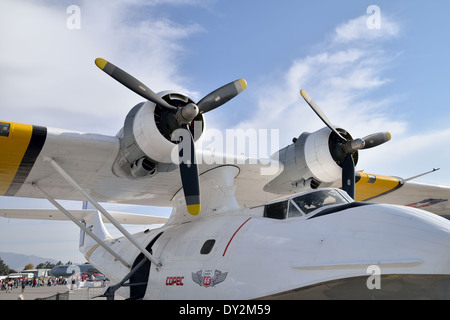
x,y
183,116
347,147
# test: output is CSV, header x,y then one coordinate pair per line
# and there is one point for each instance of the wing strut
x,y
117,224
82,226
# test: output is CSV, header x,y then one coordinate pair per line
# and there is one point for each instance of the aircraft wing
x,y
44,214
88,158
394,190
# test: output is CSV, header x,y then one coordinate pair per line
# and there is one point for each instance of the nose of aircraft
x,y
407,247
406,234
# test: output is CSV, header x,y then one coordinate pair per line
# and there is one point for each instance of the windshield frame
x,y
294,209
314,201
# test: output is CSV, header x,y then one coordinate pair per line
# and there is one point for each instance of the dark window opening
x,y
139,279
207,246
276,210
4,129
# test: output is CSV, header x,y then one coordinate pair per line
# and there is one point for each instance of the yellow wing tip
x,y
101,63
194,209
389,136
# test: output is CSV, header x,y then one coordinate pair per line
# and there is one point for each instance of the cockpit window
x,y
318,199
277,210
305,204
294,211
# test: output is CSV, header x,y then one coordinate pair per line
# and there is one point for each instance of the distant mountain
x,y
18,261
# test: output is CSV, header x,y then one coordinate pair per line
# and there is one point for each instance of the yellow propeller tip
x,y
101,63
243,84
303,93
194,209
389,136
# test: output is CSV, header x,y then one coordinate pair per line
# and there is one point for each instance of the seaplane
x,y
308,227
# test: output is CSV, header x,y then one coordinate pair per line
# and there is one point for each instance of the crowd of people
x,y
9,284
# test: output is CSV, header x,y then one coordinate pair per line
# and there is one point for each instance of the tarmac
x,y
59,292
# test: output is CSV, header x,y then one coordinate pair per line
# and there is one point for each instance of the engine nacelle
x,y
146,138
313,160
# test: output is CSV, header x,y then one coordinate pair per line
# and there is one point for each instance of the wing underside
x,y
44,214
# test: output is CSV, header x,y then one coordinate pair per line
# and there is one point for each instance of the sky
x,y
370,69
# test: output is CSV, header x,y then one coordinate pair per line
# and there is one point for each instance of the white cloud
x,y
357,30
343,77
172,2
410,154
48,68
48,77
340,79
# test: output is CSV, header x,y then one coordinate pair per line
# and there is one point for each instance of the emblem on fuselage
x,y
208,278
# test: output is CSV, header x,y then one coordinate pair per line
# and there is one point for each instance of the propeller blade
x,y
132,83
376,139
222,95
348,175
319,112
189,173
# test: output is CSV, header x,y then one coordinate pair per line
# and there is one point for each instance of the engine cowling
x,y
146,144
313,160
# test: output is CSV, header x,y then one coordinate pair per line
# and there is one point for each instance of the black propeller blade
x,y
349,147
183,116
132,83
189,171
222,95
348,175
376,139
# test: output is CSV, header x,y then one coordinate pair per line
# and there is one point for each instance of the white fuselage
x,y
249,256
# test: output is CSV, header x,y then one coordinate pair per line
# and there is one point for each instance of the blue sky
x,y
395,78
